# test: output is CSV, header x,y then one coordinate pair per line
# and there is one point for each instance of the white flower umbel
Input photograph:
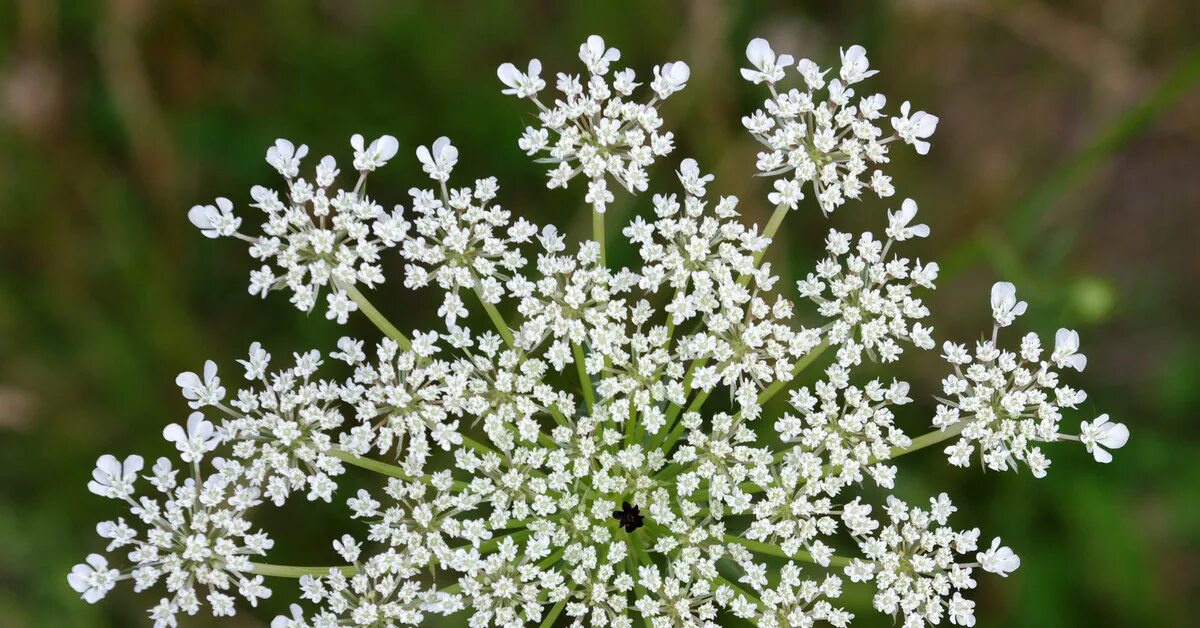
x,y
823,135
868,296
1007,402
577,442
193,536
595,127
315,238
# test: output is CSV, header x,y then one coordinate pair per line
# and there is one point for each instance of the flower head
x,y
1101,435
1005,306
583,441
821,135
595,128
374,155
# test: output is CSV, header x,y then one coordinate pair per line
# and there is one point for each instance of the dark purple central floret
x,y
629,517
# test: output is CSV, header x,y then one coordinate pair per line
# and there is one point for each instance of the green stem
x,y
381,468
292,571
555,612
776,219
497,319
384,468
677,429
380,320
801,364
921,442
925,440
598,234
774,550
585,381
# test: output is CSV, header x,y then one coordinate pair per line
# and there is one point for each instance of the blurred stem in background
x,y
1008,250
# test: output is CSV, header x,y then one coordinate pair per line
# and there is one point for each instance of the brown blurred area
x,y
1065,161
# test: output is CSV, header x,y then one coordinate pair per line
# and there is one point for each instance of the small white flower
x,y
521,85
200,393
439,162
295,621
376,155
215,222
1066,350
93,579
197,439
671,78
787,192
767,67
596,56
855,66
257,363
347,548
598,195
1101,434
1005,306
898,226
998,560
691,178
916,128
113,478
340,307
285,157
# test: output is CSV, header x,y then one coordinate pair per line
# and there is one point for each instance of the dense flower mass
x,y
585,443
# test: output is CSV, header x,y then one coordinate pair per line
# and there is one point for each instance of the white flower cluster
x,y
821,135
597,456
868,296
282,429
1006,402
194,537
316,238
915,564
595,128
842,431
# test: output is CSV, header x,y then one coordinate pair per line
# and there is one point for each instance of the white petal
x,y
759,52
1115,436
508,74
388,146
174,433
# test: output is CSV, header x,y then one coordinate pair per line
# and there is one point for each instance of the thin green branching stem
x,y
555,611
801,364
598,234
774,550
491,544
585,381
506,333
478,446
766,395
677,430
380,320
293,571
383,468
921,442
497,319
925,440
773,224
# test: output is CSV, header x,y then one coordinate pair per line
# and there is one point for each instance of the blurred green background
x,y
1065,161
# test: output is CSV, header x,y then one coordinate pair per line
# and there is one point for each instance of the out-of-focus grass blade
x,y
1021,220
